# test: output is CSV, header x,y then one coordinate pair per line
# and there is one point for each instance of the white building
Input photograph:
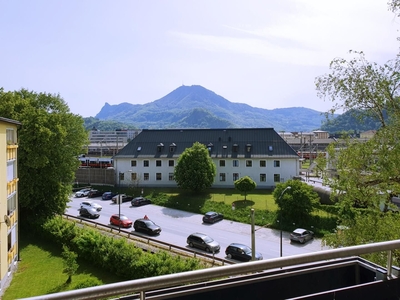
x,y
260,153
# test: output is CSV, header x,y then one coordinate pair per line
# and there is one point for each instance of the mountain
x,y
197,107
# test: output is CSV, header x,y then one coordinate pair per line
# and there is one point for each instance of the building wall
x,y
275,170
8,202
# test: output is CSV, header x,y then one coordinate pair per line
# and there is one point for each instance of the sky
x,y
264,53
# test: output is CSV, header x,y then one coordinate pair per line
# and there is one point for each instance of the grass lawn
x,y
40,272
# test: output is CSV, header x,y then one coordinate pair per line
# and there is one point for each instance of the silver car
x,y
301,235
203,241
91,205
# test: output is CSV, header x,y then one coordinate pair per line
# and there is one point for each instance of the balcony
x,y
12,152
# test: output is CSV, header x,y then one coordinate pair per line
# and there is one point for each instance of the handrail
x,y
158,282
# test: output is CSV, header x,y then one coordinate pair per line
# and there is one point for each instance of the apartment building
x,y
8,200
260,153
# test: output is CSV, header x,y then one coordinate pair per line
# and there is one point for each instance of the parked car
x,y
241,252
120,220
90,213
82,193
301,235
212,217
139,201
146,226
124,198
91,204
108,195
203,241
95,193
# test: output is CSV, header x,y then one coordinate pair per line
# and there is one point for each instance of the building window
x,y
146,176
263,163
11,204
222,163
277,163
172,147
263,177
248,148
235,176
158,163
133,176
249,163
133,163
277,177
235,148
235,163
222,177
121,176
146,163
160,147
171,176
158,176
171,163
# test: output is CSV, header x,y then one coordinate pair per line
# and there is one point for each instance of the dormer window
x,y
224,147
235,147
172,147
248,148
270,148
139,149
210,147
160,146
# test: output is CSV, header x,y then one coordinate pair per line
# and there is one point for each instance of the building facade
x,y
8,200
260,153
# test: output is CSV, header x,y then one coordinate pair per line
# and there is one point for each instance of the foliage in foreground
x,y
116,255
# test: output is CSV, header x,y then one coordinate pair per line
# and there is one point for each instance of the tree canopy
x,y
245,185
365,174
296,200
195,169
50,140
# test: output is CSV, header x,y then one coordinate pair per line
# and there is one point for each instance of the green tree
x,y
245,185
70,264
195,169
296,201
50,139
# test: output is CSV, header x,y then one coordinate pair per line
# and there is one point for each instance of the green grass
x,y
40,272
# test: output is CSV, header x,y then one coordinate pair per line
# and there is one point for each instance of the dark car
x,y
241,252
212,217
90,213
139,201
203,241
120,220
108,195
146,226
95,193
301,235
124,198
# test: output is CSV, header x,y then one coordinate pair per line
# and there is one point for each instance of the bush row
x,y
116,255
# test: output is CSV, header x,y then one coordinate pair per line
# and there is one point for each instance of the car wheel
x,y
191,244
208,250
302,241
229,255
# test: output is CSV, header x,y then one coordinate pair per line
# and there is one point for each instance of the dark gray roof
x,y
10,121
221,142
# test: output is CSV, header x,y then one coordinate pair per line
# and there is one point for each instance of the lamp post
x,y
280,215
253,239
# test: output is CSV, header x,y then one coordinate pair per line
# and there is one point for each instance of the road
x,y
177,225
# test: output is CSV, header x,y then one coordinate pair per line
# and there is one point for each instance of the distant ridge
x,y
197,107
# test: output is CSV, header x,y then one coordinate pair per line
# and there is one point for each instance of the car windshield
x,y
207,239
246,250
124,218
149,223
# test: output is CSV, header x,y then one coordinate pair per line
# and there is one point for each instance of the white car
x,y
82,193
91,204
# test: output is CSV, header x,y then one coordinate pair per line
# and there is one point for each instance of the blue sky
x,y
260,52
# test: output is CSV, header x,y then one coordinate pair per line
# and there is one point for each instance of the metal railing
x,y
159,282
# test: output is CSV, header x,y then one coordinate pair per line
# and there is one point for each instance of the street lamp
x,y
253,238
280,215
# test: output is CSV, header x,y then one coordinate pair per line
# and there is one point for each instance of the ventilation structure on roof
x,y
172,147
270,148
139,148
235,147
248,147
224,147
160,146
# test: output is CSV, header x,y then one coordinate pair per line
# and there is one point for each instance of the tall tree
x,y
245,185
50,139
195,169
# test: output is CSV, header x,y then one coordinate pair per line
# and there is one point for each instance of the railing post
x,y
389,263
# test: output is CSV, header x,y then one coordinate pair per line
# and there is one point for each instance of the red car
x,y
120,220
